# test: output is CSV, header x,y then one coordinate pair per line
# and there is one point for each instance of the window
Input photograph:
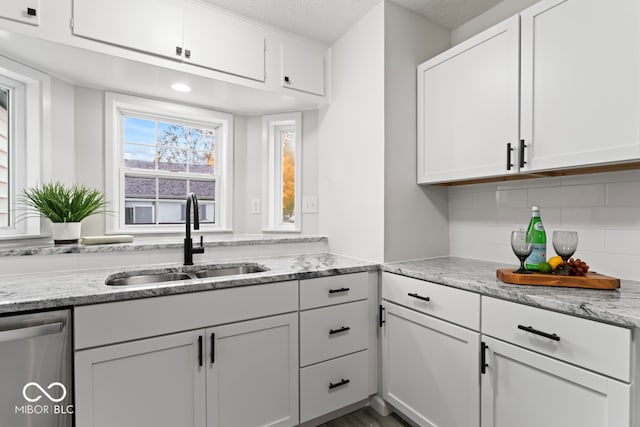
x,y
22,110
161,153
283,171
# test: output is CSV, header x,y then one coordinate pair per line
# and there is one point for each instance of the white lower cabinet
x,y
146,383
430,369
525,389
241,374
252,375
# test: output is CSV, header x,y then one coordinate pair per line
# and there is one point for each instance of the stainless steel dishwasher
x,y
35,370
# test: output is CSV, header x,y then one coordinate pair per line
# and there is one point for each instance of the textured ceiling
x,y
327,20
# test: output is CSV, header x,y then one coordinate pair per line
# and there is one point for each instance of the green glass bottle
x,y
537,235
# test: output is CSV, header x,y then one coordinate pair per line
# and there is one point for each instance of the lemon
x,y
555,262
545,268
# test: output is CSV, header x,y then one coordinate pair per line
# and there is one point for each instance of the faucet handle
x,y
201,241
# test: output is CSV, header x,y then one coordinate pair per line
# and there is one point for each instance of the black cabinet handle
x,y
483,357
338,384
537,332
337,331
420,297
187,53
380,316
200,351
335,291
287,79
509,150
178,50
213,348
521,156
31,11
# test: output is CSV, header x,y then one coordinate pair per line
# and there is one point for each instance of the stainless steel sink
x,y
229,271
144,279
187,273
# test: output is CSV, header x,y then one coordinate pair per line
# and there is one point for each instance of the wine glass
x,y
522,247
565,243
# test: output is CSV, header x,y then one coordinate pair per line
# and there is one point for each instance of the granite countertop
x,y
222,240
22,292
619,306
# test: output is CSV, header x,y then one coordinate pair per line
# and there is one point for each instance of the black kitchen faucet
x,y
189,250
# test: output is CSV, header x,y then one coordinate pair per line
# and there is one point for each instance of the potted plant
x,y
65,206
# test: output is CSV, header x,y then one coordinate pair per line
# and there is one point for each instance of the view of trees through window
x,y
163,163
4,157
287,142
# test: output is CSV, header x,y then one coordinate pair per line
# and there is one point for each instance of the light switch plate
x,y
310,204
255,206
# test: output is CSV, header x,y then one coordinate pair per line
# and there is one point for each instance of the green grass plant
x,y
61,203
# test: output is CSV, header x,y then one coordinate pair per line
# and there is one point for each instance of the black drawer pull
x,y
537,332
338,384
200,350
337,331
418,296
509,150
178,50
335,291
31,11
521,154
187,54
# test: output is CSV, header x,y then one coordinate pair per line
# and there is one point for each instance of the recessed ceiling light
x,y
180,87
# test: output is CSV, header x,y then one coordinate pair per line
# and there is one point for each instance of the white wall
x,y
603,208
62,151
351,149
415,217
496,14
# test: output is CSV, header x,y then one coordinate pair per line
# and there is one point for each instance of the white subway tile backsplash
x,y
623,194
569,196
603,208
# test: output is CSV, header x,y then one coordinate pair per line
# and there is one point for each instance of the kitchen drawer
x,y
454,305
320,389
322,334
323,291
593,345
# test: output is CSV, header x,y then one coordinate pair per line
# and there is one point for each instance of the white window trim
x,y
29,131
117,104
272,184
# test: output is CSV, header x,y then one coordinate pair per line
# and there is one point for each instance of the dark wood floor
x,y
366,417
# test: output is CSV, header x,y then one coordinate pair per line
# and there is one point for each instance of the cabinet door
x,y
252,373
27,11
155,382
430,369
580,83
303,68
153,26
522,388
222,42
468,107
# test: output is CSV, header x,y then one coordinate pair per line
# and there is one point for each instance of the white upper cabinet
x,y
222,42
303,68
468,107
580,83
27,11
153,26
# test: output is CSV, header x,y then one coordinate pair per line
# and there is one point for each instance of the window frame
x,y
116,107
29,138
272,171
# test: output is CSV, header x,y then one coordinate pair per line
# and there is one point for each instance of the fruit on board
x,y
545,268
577,267
555,261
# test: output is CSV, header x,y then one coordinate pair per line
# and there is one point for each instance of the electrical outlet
x,y
310,204
255,206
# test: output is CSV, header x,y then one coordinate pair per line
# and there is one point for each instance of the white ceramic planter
x,y
65,232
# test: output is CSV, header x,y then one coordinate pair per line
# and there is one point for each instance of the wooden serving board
x,y
590,281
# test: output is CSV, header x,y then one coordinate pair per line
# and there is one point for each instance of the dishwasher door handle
x,y
31,332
